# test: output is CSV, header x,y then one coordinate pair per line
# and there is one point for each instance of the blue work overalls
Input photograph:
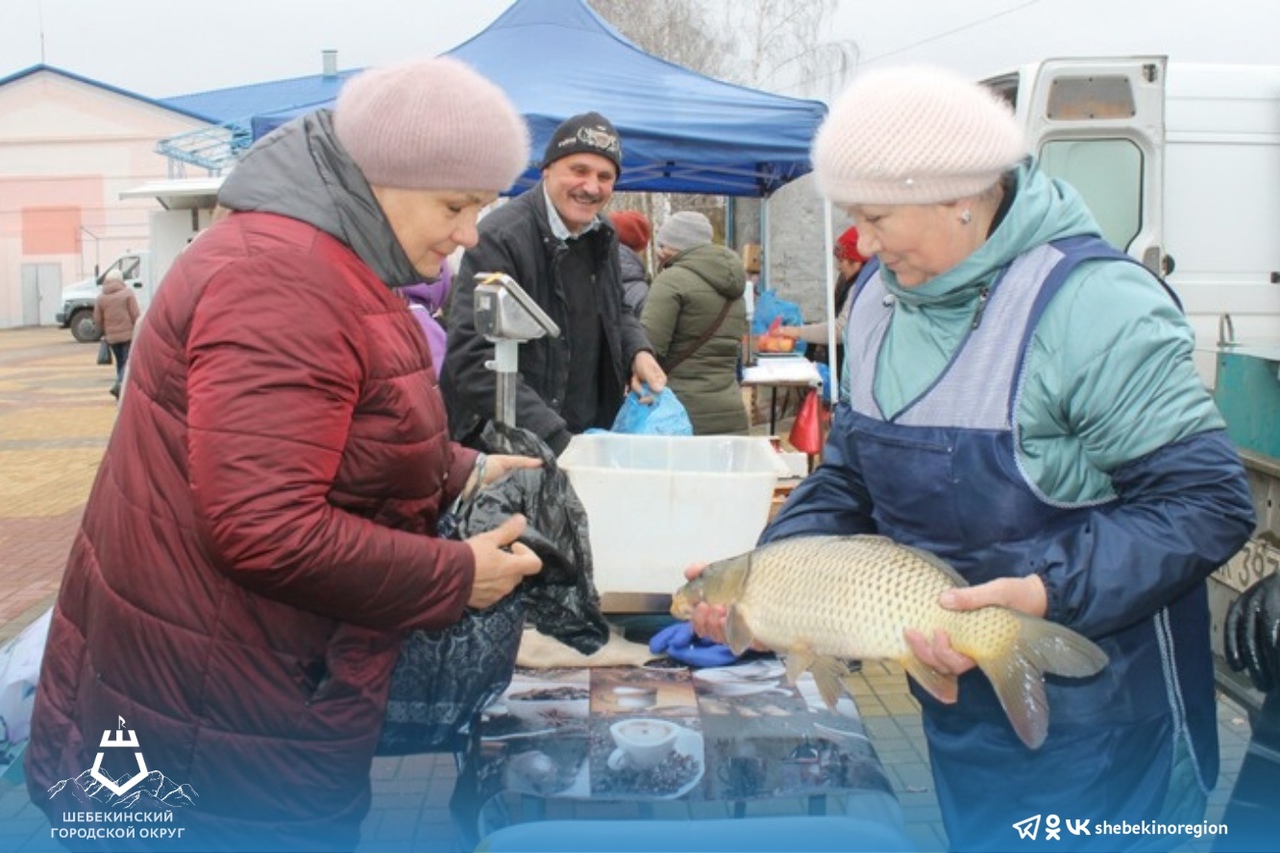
x,y
943,475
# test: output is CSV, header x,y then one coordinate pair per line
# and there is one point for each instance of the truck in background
x,y
1180,164
188,205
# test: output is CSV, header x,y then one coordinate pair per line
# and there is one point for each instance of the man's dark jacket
x,y
516,239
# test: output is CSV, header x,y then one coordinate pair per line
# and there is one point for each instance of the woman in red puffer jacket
x,y
262,530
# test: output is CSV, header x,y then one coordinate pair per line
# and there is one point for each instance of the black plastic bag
x,y
443,679
562,599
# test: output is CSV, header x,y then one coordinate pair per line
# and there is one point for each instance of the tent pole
x,y
833,334
766,249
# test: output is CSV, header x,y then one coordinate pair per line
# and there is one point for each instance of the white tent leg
x,y
833,334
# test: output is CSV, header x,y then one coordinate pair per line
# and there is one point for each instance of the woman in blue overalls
x,y
1023,403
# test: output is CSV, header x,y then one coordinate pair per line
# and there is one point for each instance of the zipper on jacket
x,y
982,306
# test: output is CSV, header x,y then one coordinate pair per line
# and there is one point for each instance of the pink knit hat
x,y
914,135
432,124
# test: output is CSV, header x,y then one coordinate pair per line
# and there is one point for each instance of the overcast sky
x,y
161,48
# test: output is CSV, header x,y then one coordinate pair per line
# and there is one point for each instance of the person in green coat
x,y
695,317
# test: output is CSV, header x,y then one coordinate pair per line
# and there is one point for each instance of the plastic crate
x,y
656,504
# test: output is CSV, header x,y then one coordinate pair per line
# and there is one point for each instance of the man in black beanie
x,y
555,243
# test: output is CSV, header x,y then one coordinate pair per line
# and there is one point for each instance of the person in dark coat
x,y
262,530
634,233
558,247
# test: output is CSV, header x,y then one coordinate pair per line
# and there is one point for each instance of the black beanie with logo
x,y
589,133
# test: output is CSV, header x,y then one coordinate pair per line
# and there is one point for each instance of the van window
x,y
1108,173
1080,98
129,267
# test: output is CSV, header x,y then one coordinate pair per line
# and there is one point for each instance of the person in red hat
x,y
634,231
849,263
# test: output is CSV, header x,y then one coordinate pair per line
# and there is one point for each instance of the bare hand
x,y
645,370
1023,594
499,571
709,619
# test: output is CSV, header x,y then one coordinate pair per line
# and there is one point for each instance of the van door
x,y
1099,124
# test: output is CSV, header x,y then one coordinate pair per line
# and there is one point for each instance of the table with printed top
x,y
667,741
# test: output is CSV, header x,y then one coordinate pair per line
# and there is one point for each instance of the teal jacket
x,y
1091,373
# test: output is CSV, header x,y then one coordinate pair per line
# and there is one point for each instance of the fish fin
x,y
736,631
1018,675
944,688
799,659
828,673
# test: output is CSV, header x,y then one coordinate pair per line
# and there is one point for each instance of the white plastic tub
x,y
656,504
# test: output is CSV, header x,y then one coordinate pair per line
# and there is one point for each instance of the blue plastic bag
x,y
770,307
665,415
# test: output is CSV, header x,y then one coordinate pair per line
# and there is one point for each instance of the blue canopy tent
x,y
681,131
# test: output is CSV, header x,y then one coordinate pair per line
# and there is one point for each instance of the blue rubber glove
x,y
679,642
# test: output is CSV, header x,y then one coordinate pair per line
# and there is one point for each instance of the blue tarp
x,y
681,131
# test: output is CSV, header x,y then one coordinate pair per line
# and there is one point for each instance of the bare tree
x,y
782,42
770,44
679,31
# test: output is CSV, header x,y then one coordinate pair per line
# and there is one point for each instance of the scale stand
x,y
507,316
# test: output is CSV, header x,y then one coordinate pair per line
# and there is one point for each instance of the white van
x,y
1180,164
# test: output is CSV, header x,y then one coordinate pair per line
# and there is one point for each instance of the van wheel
x,y
83,328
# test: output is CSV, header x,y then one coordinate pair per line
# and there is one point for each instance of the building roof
x,y
241,102
164,105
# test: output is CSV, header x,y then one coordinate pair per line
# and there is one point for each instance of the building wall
x,y
796,263
67,150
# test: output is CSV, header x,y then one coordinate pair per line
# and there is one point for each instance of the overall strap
x,y
1075,251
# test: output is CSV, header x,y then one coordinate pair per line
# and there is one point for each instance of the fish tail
x,y
1017,675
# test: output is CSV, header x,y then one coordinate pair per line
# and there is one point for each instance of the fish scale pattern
x,y
851,597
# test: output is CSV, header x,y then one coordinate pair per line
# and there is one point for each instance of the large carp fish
x,y
822,600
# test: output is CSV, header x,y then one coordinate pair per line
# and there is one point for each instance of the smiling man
x,y
555,243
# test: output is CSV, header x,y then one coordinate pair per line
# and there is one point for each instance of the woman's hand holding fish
x,y
1026,594
708,620
936,653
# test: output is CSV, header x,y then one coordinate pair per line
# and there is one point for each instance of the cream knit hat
x,y
914,135
685,230
432,124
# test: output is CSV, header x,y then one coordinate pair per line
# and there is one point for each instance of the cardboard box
x,y
751,257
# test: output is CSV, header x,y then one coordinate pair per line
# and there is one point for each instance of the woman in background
x,y
115,313
695,318
849,263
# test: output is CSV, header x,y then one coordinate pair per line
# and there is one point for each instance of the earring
x,y
966,216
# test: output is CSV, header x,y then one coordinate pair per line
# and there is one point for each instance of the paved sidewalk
x,y
55,418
